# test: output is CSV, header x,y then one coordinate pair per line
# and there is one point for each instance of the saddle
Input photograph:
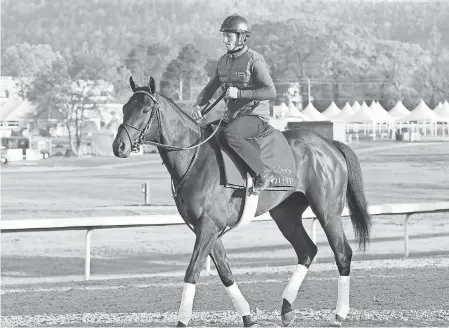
x,y
275,153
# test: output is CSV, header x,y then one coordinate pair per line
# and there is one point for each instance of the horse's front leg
x,y
206,234
224,271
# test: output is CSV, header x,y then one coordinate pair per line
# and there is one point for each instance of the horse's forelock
x,y
143,88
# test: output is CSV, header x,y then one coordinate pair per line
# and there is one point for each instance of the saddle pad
x,y
276,155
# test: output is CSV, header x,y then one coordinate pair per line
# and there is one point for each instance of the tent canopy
x,y
422,113
443,110
332,110
346,112
363,115
356,106
380,114
399,111
313,114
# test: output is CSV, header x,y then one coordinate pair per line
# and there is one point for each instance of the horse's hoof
x,y
288,318
248,322
180,324
337,321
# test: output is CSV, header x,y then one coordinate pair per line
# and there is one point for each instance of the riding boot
x,y
262,181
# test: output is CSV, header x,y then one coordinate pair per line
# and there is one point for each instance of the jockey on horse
x,y
244,73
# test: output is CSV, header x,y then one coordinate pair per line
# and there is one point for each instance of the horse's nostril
x,y
122,146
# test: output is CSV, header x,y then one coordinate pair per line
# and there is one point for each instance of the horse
x,y
328,175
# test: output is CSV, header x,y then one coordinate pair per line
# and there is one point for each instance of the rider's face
x,y
230,40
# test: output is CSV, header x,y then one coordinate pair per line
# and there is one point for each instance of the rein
x,y
203,112
155,110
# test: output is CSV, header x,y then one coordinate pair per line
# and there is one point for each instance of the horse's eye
x,y
146,110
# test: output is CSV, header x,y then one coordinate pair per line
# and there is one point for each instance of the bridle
x,y
138,142
155,112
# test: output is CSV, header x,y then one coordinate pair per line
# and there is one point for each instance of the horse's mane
x,y
172,102
169,101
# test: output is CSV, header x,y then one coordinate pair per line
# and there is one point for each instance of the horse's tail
x,y
355,196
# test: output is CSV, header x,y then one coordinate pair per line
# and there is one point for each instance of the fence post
x,y
314,220
406,251
146,191
309,92
87,255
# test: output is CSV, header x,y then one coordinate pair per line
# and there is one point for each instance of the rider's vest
x,y
235,70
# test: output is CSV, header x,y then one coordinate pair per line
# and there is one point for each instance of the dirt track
x,y
391,293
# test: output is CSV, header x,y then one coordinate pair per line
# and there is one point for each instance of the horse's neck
x,y
179,130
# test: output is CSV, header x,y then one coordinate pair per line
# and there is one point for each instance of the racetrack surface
x,y
143,268
383,294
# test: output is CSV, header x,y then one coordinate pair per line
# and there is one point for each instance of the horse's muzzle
x,y
121,147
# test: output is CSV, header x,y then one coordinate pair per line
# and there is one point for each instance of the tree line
x,y
391,50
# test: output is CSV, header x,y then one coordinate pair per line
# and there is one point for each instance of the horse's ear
x,y
152,85
132,84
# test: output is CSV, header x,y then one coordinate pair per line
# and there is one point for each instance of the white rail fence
x,y
94,223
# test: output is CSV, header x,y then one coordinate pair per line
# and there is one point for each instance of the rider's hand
x,y
196,114
232,93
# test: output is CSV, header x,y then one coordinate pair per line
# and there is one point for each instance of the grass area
x,y
409,174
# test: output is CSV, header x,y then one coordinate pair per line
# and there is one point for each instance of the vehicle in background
x,y
23,148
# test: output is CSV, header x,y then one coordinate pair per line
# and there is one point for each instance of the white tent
x,y
399,111
422,113
293,111
280,111
438,107
346,112
313,114
331,111
363,115
380,114
356,106
294,115
443,110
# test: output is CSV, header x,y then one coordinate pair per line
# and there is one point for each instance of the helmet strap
x,y
242,37
240,44
240,47
241,40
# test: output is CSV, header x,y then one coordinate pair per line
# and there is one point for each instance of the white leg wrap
x,y
343,297
291,291
185,309
240,303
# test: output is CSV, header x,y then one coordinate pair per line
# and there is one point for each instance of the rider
x,y
244,73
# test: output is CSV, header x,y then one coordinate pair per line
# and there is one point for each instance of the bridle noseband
x,y
155,108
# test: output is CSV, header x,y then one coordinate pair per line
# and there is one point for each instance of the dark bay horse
x,y
329,175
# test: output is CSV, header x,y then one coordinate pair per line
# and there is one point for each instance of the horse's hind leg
x,y
224,271
343,256
288,217
328,209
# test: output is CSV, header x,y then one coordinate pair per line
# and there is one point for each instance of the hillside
x,y
348,49
118,25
